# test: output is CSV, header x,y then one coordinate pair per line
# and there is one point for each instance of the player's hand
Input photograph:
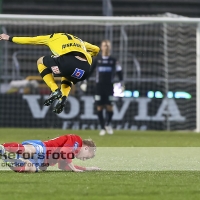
x,y
83,86
4,36
122,86
93,168
78,170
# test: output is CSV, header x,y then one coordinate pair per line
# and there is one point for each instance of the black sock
x,y
109,115
101,119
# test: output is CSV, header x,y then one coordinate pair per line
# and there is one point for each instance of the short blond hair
x,y
90,143
106,41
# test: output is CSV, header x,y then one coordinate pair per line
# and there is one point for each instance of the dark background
x,y
189,8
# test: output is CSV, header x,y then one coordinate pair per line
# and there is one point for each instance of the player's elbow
x,y
98,49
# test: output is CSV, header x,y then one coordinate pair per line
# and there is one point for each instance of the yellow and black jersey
x,y
60,44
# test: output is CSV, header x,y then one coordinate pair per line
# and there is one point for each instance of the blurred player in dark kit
x,y
106,67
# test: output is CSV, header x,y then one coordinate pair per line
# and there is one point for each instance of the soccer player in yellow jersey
x,y
71,60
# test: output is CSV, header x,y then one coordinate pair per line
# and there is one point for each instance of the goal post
x,y
198,78
161,60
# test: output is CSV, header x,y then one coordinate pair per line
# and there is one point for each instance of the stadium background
x,y
148,81
156,60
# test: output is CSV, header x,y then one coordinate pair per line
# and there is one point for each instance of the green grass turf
x,y
104,184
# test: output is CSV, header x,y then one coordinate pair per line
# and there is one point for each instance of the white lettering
x,y
142,109
34,106
74,109
119,114
170,108
88,108
66,125
167,107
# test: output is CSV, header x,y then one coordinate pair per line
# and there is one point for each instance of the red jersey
x,y
62,149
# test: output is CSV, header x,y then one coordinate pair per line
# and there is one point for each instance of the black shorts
x,y
68,66
101,100
103,94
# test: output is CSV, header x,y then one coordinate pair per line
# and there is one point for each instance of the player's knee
x,y
40,60
99,108
109,108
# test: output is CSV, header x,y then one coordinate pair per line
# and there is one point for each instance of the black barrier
x,y
141,113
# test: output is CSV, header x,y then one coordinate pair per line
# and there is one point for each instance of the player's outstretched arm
x,y
83,168
93,169
87,168
4,36
73,168
63,165
41,40
93,50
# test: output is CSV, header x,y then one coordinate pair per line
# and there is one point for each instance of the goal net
x,y
158,56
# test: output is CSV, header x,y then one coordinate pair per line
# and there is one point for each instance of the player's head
x,y
105,47
87,150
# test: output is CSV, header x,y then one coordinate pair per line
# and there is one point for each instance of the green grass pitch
x,y
103,184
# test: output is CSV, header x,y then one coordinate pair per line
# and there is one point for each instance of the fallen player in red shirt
x,y
34,155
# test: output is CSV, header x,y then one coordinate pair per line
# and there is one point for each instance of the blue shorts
x,y
39,156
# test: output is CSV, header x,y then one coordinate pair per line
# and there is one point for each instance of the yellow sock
x,y
49,80
65,86
47,77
